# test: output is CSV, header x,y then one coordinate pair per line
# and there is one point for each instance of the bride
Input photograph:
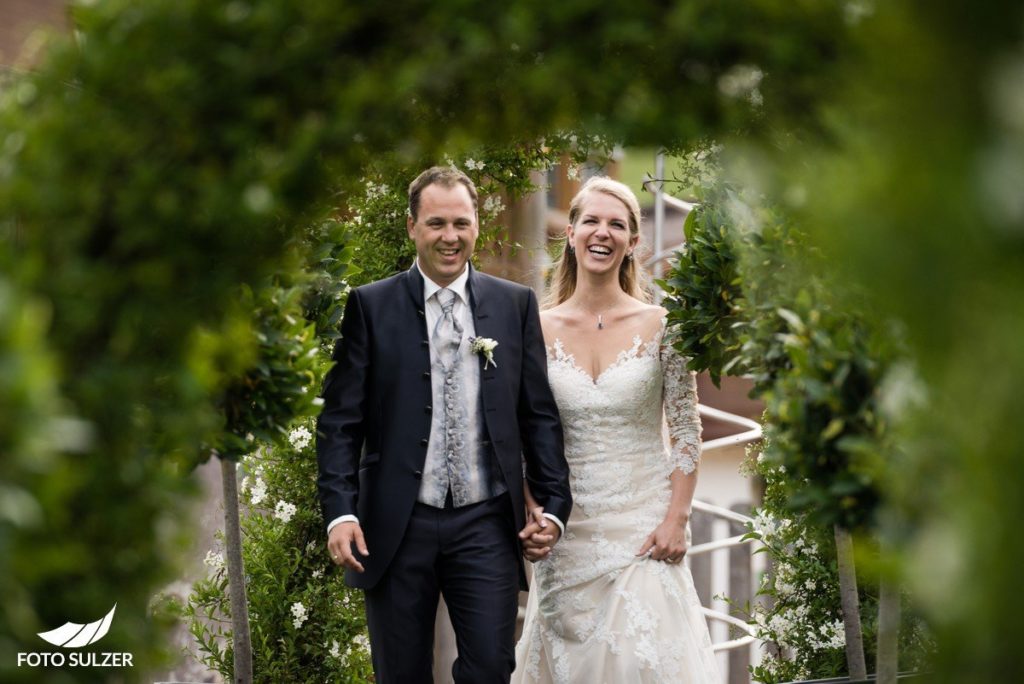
x,y
611,601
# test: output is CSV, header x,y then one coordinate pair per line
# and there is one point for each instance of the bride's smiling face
x,y
601,236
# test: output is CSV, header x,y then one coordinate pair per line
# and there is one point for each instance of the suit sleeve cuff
x,y
344,518
561,525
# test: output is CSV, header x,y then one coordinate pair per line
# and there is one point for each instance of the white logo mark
x,y
74,635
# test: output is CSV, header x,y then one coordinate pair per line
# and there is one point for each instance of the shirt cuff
x,y
561,525
340,519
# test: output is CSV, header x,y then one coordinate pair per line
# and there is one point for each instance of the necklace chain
x,y
600,316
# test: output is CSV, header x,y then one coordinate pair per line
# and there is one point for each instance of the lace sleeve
x,y
680,398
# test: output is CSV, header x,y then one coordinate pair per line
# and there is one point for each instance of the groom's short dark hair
x,y
445,176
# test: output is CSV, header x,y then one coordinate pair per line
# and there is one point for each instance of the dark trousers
x,y
468,555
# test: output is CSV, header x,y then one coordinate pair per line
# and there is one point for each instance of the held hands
x,y
667,542
539,535
339,545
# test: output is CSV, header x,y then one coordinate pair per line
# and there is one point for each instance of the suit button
x,y
417,474
428,408
426,374
420,312
425,343
424,442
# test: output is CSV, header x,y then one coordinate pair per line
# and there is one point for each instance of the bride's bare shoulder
x,y
650,314
552,322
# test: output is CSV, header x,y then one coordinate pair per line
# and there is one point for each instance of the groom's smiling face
x,y
445,231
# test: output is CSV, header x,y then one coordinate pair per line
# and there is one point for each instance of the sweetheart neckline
x,y
624,356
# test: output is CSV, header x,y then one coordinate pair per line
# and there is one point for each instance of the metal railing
x,y
656,186
750,432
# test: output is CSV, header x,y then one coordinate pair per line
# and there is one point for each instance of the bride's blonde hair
x,y
632,277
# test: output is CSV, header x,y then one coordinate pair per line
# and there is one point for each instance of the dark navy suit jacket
x,y
373,431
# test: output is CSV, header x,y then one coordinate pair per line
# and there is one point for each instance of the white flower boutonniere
x,y
485,347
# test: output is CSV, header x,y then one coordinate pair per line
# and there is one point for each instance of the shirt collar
x,y
458,286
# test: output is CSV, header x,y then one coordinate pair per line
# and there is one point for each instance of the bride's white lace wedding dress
x,y
596,612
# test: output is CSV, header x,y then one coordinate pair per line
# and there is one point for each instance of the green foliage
x,y
923,208
306,625
270,395
821,418
154,167
704,289
799,611
750,297
744,299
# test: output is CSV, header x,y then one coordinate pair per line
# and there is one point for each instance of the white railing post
x,y
659,215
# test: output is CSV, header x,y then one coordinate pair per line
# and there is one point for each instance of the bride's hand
x,y
666,543
539,535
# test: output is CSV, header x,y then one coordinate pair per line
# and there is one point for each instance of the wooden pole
x,y
242,640
850,602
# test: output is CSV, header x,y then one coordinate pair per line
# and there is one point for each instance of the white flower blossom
x,y
829,636
474,165
335,649
300,437
318,573
572,172
373,190
362,642
214,560
299,613
493,205
258,492
740,80
284,511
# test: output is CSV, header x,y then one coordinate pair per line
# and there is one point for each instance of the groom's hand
x,y
539,536
339,545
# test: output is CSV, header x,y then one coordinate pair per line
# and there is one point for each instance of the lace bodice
x,y
624,405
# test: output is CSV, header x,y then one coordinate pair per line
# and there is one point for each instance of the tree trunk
x,y
888,631
850,602
242,643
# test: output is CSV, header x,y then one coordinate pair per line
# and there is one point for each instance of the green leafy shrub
x,y
307,626
749,296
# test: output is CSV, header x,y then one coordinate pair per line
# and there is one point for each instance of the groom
x,y
422,444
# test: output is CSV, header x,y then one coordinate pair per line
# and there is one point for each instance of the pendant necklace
x,y
600,316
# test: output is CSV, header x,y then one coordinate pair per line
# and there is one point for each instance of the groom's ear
x,y
409,223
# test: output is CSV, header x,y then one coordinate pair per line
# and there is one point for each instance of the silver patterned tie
x,y
447,331
447,338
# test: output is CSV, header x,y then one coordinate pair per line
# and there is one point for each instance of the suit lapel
x,y
414,286
484,321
